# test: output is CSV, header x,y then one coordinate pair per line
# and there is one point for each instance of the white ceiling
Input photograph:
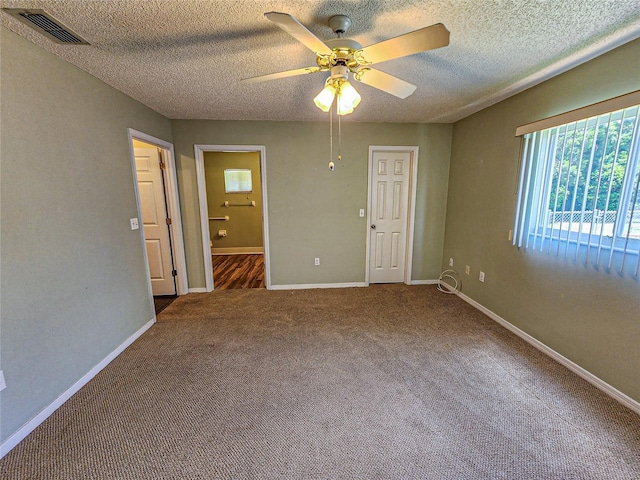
x,y
184,58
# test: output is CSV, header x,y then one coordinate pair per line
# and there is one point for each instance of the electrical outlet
x,y
467,269
481,278
510,235
451,262
316,261
134,223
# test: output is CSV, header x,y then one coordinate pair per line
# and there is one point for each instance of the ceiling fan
x,y
342,56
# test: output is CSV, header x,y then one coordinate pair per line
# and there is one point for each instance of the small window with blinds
x,y
578,193
237,181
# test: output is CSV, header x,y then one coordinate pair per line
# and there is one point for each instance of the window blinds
x,y
578,190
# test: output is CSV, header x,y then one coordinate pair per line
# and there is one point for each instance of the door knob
x,y
373,227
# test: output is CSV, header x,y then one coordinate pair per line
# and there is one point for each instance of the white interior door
x,y
388,214
154,220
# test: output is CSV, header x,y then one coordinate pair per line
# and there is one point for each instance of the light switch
x,y
362,213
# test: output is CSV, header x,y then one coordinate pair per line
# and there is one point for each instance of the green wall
x,y
589,316
313,212
244,228
74,283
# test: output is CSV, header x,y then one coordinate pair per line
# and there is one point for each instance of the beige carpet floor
x,y
384,382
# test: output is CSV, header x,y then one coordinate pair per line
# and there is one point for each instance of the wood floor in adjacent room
x,y
238,271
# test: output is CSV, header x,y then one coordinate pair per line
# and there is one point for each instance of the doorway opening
x,y
159,214
233,215
393,172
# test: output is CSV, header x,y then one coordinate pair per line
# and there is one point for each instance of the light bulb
x,y
324,99
348,98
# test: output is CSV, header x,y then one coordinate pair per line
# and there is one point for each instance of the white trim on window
x,y
611,105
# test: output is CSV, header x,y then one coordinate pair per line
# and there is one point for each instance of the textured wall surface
x,y
591,317
74,283
314,212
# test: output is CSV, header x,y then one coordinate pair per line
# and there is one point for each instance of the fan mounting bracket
x,y
339,24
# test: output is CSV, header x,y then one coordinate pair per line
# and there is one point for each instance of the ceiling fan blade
x,y
385,82
298,31
285,74
427,38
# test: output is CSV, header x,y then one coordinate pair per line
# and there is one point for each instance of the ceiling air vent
x,y
47,25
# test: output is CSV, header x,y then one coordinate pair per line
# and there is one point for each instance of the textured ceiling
x,y
184,58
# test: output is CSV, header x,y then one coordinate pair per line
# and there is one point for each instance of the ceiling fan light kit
x,y
348,98
324,99
337,85
341,56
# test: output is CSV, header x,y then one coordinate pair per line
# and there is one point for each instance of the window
x,y
578,193
237,181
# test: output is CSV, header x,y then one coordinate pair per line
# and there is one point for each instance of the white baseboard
x,y
424,282
237,251
574,367
198,290
31,425
305,286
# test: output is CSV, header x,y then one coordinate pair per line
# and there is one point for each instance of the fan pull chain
x,y
339,134
331,165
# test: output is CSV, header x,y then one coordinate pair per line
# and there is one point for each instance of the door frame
x,y
173,206
199,151
411,210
